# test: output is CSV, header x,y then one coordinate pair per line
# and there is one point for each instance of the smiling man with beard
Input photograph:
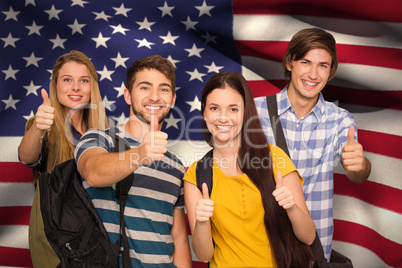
x,y
154,214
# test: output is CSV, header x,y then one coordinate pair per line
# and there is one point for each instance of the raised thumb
x,y
205,191
279,179
154,123
351,135
45,97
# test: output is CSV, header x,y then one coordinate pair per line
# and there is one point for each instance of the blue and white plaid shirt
x,y
315,145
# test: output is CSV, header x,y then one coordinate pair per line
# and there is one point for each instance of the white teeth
x,y
75,97
309,83
224,127
152,107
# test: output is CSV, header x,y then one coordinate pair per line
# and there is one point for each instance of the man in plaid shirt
x,y
317,133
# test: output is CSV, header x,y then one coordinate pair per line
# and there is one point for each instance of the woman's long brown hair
x,y
287,250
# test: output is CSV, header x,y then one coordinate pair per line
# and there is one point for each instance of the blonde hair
x,y
60,147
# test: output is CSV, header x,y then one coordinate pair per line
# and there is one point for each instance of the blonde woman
x,y
75,105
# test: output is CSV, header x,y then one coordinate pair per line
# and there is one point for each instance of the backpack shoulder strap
x,y
122,189
203,171
281,142
276,123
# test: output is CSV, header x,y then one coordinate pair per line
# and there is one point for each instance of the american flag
x,y
202,37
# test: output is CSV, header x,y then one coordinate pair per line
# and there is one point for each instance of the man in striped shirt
x,y
154,213
317,133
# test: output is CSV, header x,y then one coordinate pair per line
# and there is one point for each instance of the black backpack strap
x,y
122,189
276,123
281,142
203,171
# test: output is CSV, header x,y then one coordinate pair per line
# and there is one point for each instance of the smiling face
x,y
224,112
151,94
309,75
73,85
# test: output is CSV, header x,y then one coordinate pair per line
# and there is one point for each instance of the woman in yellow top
x,y
249,220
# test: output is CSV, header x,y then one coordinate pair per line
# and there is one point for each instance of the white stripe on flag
x,y
283,27
14,236
386,223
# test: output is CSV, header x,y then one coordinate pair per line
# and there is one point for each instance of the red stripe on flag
x,y
198,264
381,143
365,55
389,11
370,192
15,215
387,250
374,56
371,98
18,257
15,172
262,88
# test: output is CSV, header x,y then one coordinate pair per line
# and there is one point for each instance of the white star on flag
x,y
34,28
10,73
194,51
11,14
189,23
196,75
78,3
32,60
144,43
58,42
169,38
120,89
209,38
119,61
53,13
100,40
10,103
213,68
120,120
119,29
105,73
172,122
76,27
204,9
28,116
9,41
30,2
108,104
173,61
122,10
195,105
31,89
145,24
166,10
101,15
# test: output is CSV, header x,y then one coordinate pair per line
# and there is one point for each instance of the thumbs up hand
x,y
44,117
154,144
282,193
205,206
352,153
